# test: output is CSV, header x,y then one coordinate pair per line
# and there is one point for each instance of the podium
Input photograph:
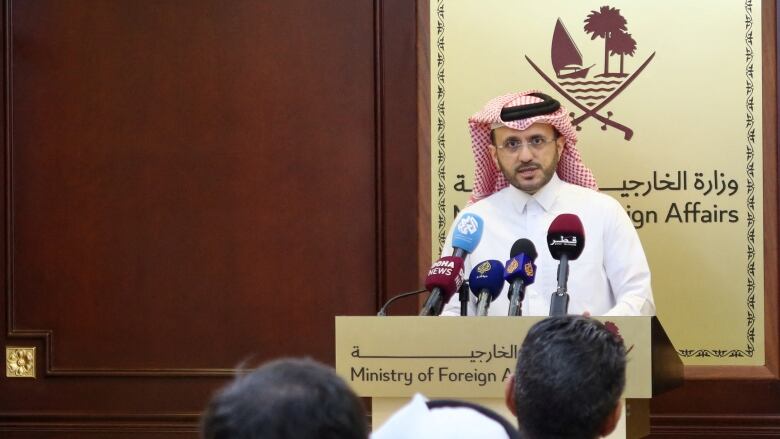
x,y
389,359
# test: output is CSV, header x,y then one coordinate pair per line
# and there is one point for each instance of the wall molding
x,y
681,426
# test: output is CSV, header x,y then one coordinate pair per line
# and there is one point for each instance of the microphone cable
x,y
383,311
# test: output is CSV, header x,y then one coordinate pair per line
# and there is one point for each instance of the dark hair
x,y
286,399
570,374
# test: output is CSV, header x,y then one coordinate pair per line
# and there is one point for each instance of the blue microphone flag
x,y
467,232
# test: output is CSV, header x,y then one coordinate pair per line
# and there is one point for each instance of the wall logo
x,y
585,87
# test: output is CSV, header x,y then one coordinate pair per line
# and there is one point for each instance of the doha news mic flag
x,y
667,107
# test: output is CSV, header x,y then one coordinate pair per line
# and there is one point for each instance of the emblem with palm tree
x,y
571,77
607,23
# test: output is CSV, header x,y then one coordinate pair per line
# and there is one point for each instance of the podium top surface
x,y
471,357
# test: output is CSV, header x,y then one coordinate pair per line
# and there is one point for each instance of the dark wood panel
x,y
151,432
716,426
190,184
399,148
38,425
424,133
177,172
772,196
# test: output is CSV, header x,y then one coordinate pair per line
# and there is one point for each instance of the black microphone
x,y
486,281
566,240
520,271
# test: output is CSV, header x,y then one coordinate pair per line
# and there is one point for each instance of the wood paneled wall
x,y
189,184
193,184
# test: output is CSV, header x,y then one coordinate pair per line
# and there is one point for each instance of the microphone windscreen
x,y
467,232
445,274
520,267
523,245
488,275
566,236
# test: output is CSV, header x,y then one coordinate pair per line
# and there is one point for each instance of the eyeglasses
x,y
512,145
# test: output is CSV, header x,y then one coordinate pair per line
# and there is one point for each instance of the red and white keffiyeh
x,y
488,179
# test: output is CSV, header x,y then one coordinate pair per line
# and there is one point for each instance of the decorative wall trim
x,y
680,426
441,174
20,362
91,422
750,234
46,337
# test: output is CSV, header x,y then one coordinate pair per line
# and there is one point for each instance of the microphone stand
x,y
463,296
515,299
559,302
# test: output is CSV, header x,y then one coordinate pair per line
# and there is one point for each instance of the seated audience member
x,y
440,419
570,374
286,399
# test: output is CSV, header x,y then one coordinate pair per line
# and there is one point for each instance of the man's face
x,y
533,163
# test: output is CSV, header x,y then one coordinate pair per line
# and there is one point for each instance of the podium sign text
x,y
458,357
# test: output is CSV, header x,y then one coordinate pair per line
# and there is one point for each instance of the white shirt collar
x,y
545,196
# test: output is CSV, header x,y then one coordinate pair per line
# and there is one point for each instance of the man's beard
x,y
513,175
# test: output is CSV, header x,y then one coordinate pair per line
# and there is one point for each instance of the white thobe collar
x,y
544,197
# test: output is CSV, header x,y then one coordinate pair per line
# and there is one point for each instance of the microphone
x,y
520,272
566,240
465,237
486,281
444,278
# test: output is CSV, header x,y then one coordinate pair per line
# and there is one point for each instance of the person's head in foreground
x,y
286,399
445,419
523,139
571,371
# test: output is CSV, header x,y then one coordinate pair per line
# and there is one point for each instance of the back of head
x,y
569,378
285,399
